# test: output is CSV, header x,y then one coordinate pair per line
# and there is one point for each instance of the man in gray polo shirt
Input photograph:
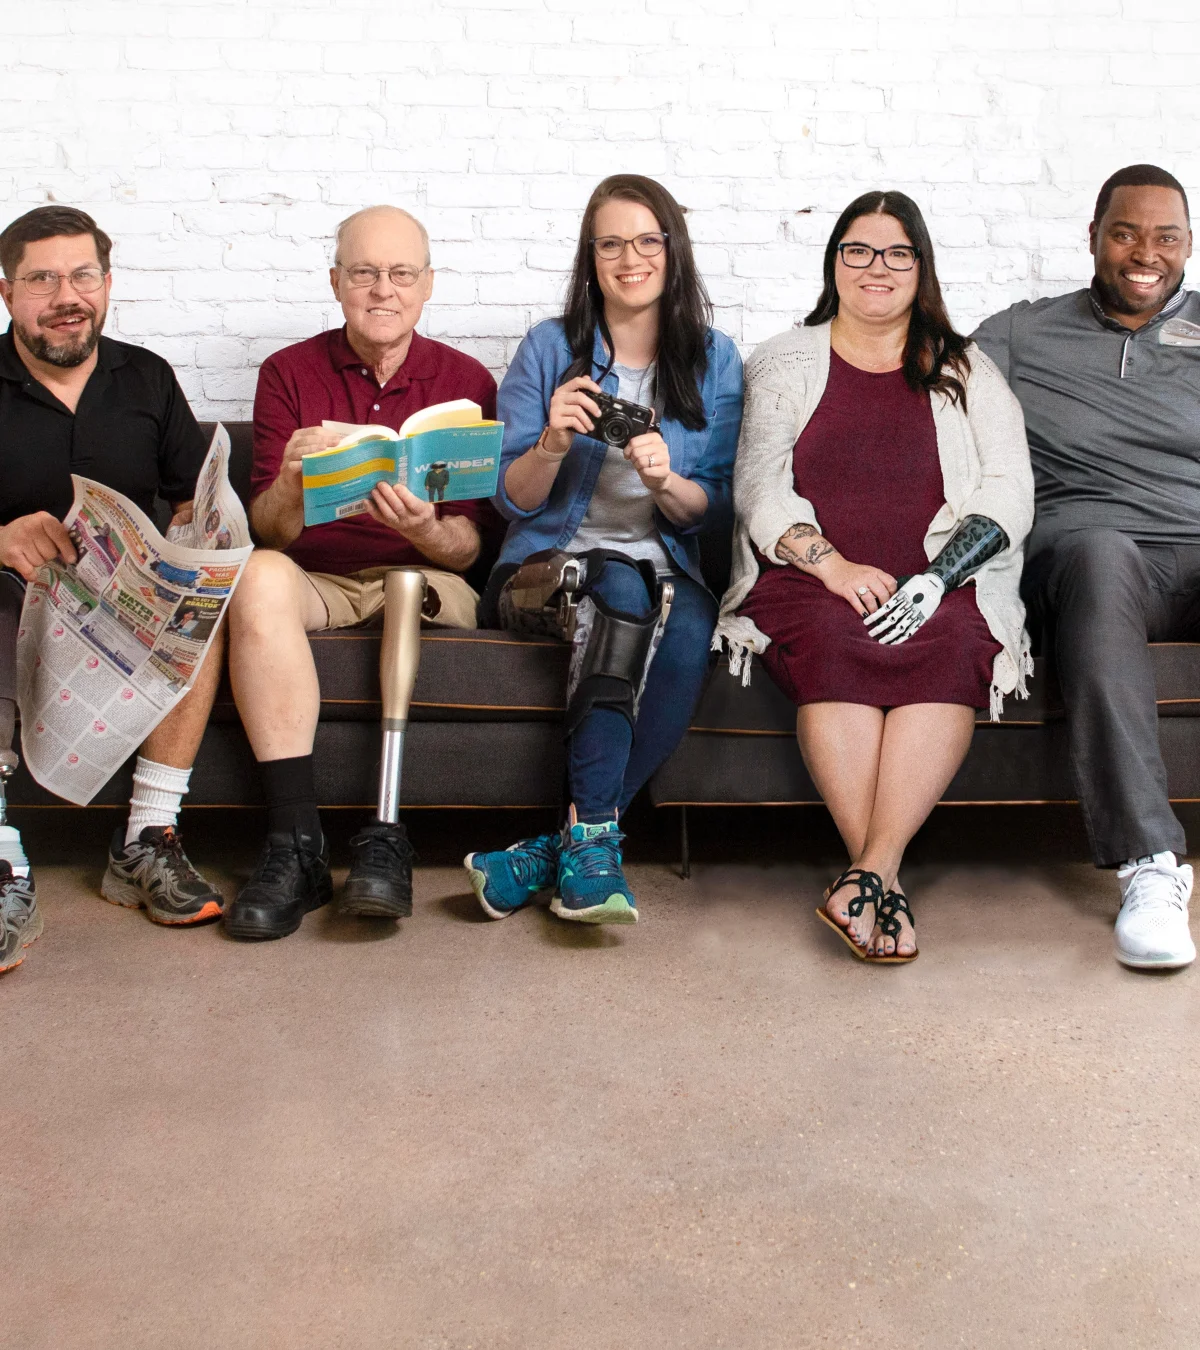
x,y
1109,380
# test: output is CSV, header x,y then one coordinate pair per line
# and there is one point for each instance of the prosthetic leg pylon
x,y
11,849
399,657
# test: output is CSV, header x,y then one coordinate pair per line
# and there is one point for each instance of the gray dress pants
x,y
1098,596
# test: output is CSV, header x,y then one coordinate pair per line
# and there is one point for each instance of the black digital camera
x,y
619,422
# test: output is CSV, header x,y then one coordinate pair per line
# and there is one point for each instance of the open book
x,y
445,453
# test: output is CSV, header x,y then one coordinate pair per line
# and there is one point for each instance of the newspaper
x,y
109,644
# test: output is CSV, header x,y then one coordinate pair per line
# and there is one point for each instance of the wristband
x,y
539,449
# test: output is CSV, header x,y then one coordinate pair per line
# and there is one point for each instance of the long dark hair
x,y
935,356
685,311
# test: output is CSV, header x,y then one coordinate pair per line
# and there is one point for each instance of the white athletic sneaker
x,y
1152,927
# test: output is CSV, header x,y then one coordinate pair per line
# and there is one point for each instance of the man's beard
x,y
1112,297
65,355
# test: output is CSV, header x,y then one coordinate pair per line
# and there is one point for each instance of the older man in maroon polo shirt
x,y
376,369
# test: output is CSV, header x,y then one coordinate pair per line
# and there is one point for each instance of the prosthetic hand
x,y
976,540
399,656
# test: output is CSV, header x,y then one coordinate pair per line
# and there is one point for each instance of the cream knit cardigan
x,y
985,469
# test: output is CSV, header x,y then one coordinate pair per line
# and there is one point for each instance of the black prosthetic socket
x,y
976,541
612,649
291,796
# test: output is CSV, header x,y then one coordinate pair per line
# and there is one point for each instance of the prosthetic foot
x,y
380,880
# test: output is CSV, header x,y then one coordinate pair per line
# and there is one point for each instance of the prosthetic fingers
x,y
555,593
399,656
976,540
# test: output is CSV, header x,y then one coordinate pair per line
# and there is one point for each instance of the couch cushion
x,y
760,709
465,675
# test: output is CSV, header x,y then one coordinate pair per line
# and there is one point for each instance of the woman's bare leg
x,y
841,745
923,746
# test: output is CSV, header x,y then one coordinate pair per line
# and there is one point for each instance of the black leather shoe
x,y
380,882
291,879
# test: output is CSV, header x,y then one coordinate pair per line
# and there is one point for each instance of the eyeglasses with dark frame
x,y
402,275
611,246
896,257
83,280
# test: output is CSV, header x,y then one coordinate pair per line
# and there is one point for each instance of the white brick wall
x,y
220,142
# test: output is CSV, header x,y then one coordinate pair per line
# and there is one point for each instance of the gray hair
x,y
368,210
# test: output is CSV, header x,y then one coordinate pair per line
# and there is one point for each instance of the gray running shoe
x,y
20,918
154,874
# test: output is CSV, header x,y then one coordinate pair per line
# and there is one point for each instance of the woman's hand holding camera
x,y
571,411
649,455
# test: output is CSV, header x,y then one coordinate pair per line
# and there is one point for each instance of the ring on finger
x,y
862,590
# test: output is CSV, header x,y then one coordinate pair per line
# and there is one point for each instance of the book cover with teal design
x,y
455,459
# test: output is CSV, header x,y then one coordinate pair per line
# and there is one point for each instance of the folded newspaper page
x,y
444,453
109,644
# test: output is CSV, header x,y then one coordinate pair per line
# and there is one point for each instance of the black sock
x,y
291,796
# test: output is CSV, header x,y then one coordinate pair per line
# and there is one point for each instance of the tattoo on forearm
x,y
811,554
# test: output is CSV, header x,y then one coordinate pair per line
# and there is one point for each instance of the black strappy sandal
x,y
888,922
870,892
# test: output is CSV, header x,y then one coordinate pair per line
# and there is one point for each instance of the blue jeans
x,y
607,759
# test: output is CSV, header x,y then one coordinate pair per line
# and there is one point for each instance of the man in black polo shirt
x,y
72,401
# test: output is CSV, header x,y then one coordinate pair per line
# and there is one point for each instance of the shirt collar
x,y
419,364
1113,326
109,356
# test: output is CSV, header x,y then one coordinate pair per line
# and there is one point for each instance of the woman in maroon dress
x,y
882,465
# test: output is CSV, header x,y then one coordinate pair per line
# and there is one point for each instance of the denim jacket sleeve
x,y
523,403
714,472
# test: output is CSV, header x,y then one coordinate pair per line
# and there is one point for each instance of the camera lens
x,y
617,429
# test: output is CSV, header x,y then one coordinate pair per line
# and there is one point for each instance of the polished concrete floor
x,y
715,1129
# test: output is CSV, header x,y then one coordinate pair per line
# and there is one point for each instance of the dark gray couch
x,y
487,707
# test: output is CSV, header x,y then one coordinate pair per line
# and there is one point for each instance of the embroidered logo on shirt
x,y
1179,333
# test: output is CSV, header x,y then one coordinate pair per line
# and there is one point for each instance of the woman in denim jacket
x,y
636,326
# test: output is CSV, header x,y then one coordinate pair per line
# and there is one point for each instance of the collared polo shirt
x,y
1112,414
132,431
323,379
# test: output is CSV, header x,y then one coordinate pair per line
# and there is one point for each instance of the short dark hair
x,y
1138,175
935,354
47,222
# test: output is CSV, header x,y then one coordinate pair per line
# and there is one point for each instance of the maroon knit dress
x,y
868,462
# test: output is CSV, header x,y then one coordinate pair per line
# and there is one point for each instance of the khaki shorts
x,y
449,601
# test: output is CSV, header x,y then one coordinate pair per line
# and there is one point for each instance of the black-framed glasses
x,y
896,257
402,275
83,280
611,246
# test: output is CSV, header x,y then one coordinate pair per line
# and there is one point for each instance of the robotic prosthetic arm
x,y
976,540
403,596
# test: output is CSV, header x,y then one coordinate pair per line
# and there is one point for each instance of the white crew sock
x,y
157,793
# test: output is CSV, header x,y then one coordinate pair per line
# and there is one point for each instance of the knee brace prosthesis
x,y
556,593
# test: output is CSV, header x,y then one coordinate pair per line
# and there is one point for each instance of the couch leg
x,y
685,853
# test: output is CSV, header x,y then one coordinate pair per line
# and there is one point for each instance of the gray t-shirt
x,y
620,514
1112,414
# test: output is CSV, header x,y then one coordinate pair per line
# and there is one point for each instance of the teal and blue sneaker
x,y
505,881
591,886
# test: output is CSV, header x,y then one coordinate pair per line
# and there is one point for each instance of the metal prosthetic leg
x,y
403,596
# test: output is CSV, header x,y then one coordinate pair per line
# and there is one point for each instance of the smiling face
x,y
60,329
1140,247
629,283
875,294
383,315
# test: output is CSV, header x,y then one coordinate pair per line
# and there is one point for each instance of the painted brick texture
x,y
220,143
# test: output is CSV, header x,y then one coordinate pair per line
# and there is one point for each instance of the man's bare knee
x,y
272,593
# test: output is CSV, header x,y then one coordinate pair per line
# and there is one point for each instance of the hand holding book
x,y
447,452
